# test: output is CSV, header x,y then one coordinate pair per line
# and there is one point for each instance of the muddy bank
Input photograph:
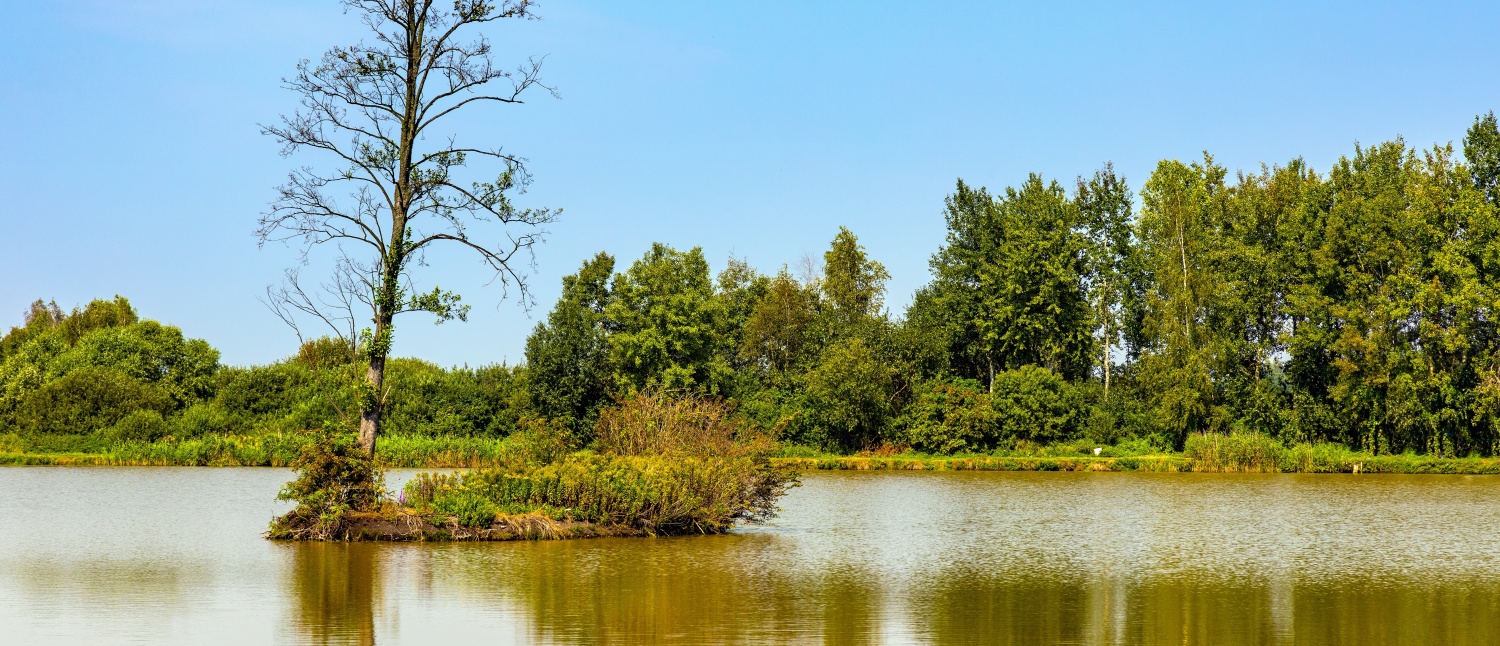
x,y
406,524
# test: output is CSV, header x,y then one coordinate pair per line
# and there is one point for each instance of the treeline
x,y
1355,306
81,380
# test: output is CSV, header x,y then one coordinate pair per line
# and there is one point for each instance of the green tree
x,y
777,334
1104,203
850,395
1181,206
1482,150
568,368
740,292
666,323
853,284
1011,278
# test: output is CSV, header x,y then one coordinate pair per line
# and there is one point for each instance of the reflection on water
x,y
334,592
174,556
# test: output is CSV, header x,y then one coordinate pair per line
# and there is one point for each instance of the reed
x,y
1235,452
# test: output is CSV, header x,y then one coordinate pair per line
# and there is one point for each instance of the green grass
x,y
268,450
1236,453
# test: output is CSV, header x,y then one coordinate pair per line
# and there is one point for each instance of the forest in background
x,y
1355,306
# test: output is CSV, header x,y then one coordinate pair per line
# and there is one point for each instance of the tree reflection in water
x,y
335,591
963,559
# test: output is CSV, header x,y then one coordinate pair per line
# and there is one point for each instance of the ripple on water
x,y
97,555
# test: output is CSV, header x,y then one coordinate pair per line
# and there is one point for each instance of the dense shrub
x,y
148,352
428,400
139,426
660,423
264,390
540,441
1029,405
202,419
1033,404
850,393
86,400
951,417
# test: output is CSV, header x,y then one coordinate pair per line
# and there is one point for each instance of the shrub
x,y
850,392
666,465
428,400
1029,405
1033,404
467,508
657,423
657,494
149,352
540,441
86,400
202,419
334,477
27,365
139,426
263,390
950,417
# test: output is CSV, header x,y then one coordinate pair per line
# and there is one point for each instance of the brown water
x,y
174,556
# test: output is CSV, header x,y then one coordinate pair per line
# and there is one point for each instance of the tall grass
x,y
665,465
1238,452
1255,453
658,423
657,494
1205,453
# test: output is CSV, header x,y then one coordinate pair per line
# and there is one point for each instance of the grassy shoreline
x,y
1203,454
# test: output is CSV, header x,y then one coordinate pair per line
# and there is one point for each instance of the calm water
x,y
168,556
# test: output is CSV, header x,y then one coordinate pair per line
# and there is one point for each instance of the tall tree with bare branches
x,y
398,186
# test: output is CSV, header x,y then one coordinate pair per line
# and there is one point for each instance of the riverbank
x,y
1405,464
406,524
266,450
1211,454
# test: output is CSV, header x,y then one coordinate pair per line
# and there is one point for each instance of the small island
x,y
661,465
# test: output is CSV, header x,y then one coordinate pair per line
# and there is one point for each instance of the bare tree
x,y
393,190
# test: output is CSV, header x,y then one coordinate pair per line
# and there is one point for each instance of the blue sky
x,y
132,162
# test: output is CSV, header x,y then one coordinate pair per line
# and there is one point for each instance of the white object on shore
x,y
1097,450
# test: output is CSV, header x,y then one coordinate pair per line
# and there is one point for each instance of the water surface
x,y
169,556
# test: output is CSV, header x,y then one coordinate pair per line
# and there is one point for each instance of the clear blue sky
x,y
132,162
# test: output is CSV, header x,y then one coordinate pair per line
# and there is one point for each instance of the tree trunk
x,y
1108,341
370,409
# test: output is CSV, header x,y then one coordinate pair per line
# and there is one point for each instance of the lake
x,y
174,556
